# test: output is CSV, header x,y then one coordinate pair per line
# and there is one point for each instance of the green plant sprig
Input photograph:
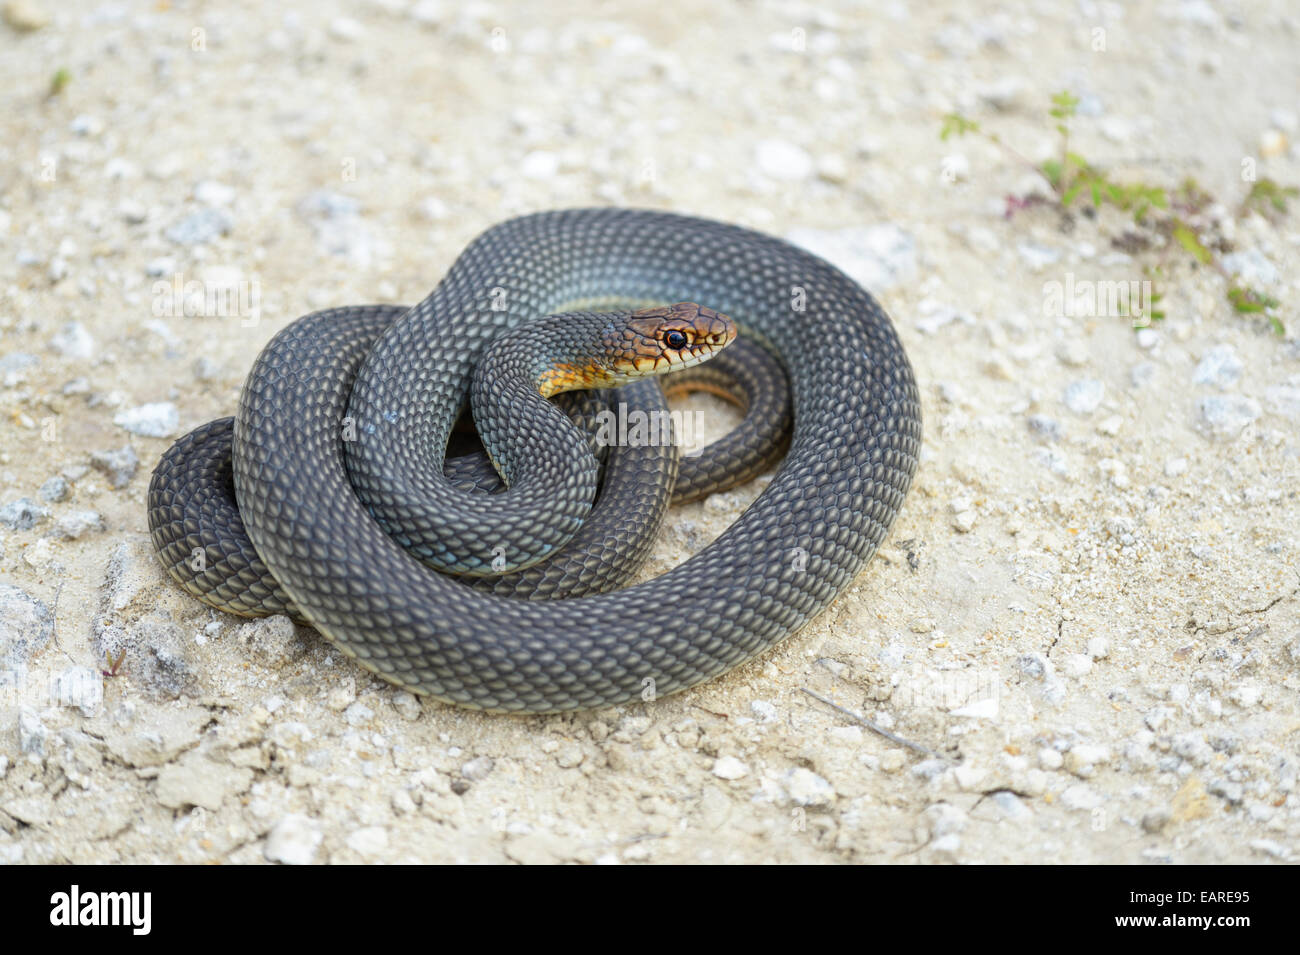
x,y
1069,176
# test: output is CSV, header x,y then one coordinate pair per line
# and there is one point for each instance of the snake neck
x,y
514,378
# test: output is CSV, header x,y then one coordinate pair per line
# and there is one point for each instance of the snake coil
x,y
314,513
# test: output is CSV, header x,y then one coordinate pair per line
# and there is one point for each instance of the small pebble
x,y
728,767
478,769
160,419
293,841
23,514
407,706
1049,429
1284,400
74,341
200,227
1073,353
539,164
1037,256
1083,397
119,465
346,29
1147,338
806,788
76,523
1081,797
763,711
1141,374
358,714
1220,367
783,160
54,490
1084,758
1155,821
1246,695
1077,665
1226,416
212,193
25,16
1110,426
31,732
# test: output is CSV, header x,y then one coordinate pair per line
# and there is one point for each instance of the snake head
x,y
609,349
655,341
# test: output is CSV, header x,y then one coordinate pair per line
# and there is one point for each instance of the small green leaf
x,y
1267,194
1189,241
1250,302
955,124
1063,104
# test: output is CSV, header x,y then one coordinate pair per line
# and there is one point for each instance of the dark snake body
x,y
315,519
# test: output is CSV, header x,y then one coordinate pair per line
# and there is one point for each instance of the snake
x,y
307,500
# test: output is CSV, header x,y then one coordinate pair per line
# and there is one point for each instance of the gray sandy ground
x,y
1088,610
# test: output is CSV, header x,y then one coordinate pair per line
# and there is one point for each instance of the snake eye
x,y
675,339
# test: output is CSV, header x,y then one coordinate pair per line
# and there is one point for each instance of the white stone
x,y
1080,796
1077,665
1083,397
783,160
159,419
74,341
293,841
1284,400
1246,695
213,193
369,841
1084,758
985,709
346,29
1220,367
540,164
879,257
806,788
728,767
1226,416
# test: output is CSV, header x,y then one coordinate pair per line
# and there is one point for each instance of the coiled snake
x,y
338,468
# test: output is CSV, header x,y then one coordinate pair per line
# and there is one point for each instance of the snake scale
x,y
343,423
